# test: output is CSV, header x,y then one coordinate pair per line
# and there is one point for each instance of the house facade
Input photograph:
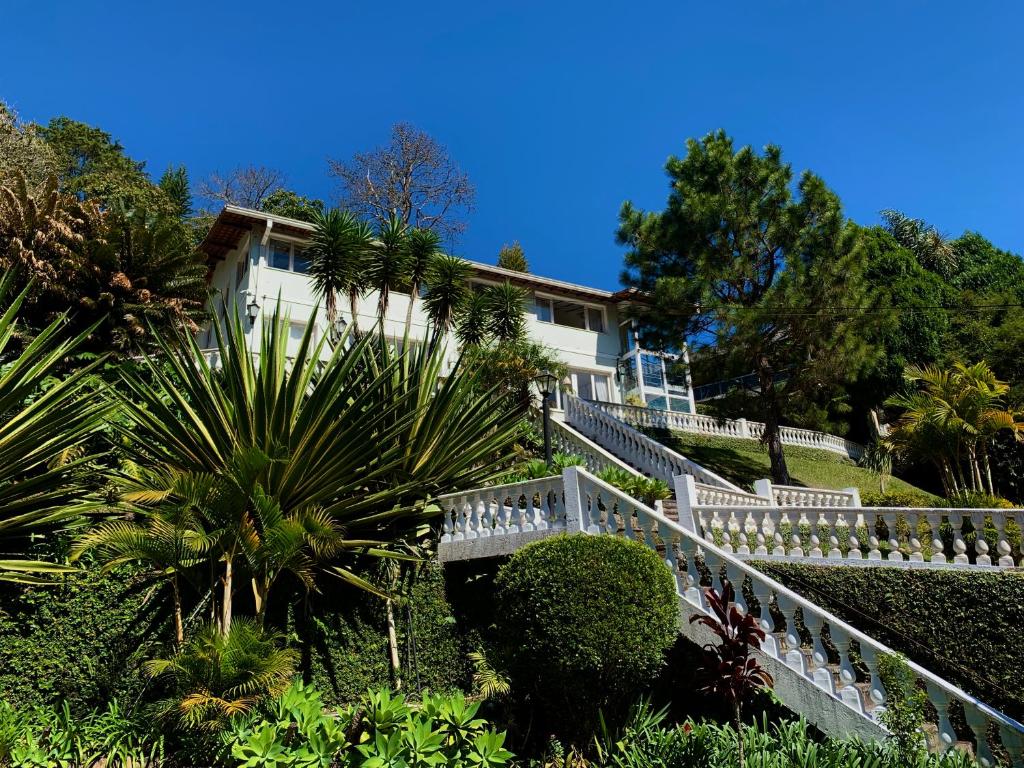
x,y
256,258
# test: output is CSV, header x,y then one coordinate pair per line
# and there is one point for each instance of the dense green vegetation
x,y
962,626
744,461
569,650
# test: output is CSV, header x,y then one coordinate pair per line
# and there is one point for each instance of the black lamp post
x,y
546,381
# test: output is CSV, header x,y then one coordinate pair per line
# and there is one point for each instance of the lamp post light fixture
x,y
546,382
252,309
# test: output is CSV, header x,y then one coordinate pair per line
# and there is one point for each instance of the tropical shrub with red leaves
x,y
728,669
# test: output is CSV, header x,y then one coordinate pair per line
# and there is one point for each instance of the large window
x,y
591,386
288,256
569,313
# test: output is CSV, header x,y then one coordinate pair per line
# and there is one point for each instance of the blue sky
x,y
558,111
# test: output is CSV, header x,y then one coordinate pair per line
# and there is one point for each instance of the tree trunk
x,y
260,592
179,625
414,290
772,434
353,304
225,619
396,666
988,469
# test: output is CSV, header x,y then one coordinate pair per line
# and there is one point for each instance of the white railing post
x,y
574,512
741,426
686,500
855,497
763,487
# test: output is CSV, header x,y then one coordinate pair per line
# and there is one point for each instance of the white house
x,y
256,257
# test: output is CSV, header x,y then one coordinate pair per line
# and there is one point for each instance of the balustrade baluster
x,y
938,548
848,691
939,699
473,520
977,721
981,556
956,521
794,656
890,519
914,523
876,690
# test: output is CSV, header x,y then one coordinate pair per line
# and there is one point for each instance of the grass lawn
x,y
744,461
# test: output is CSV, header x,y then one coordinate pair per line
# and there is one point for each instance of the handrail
x,y
851,533
635,447
737,428
814,616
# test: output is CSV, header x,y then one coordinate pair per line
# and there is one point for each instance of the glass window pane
x,y
584,386
601,387
595,319
301,262
543,309
280,255
569,313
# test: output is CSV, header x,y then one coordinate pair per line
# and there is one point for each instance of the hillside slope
x,y
744,461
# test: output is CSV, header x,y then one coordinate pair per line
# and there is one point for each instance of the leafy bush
x,y
218,675
584,623
44,736
647,741
977,500
976,644
896,499
382,731
905,705
645,489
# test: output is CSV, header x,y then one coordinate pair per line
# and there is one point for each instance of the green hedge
x,y
85,641
82,642
584,623
963,626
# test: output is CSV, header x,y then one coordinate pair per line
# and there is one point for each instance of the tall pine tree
x,y
771,279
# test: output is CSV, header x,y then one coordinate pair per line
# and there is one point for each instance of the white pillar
x,y
686,500
855,501
575,514
763,488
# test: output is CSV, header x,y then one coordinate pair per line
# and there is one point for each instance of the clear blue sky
x,y
558,111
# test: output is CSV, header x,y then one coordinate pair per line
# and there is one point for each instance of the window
x,y
569,313
288,256
591,386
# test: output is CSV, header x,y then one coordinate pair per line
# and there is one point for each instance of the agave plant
x,y
45,470
305,457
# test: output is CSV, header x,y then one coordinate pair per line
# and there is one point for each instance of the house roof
x,y
234,222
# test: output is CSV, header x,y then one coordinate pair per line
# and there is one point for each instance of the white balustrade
x,y
534,505
634,447
740,428
696,563
883,534
796,496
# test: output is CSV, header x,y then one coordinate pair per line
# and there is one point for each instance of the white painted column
x,y
576,519
686,500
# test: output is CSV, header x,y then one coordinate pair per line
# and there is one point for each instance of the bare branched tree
x,y
247,186
412,179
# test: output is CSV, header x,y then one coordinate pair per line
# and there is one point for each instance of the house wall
x,y
582,350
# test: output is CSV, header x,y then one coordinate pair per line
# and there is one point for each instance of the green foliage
x,y
217,675
81,642
904,705
44,737
737,258
46,472
285,202
512,257
175,186
383,731
745,461
645,489
647,741
898,499
975,644
568,648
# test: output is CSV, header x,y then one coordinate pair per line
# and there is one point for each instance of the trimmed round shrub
x,y
584,623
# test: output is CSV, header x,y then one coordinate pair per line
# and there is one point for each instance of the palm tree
x,y
472,326
423,250
932,249
389,269
46,468
447,291
950,418
506,312
218,675
169,538
339,258
298,482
